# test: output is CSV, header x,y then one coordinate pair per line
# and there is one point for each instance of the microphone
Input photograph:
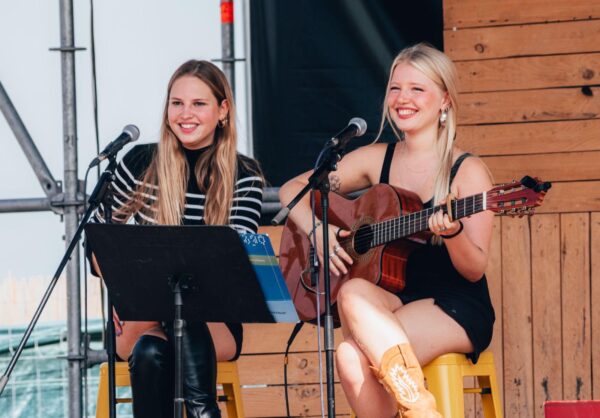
x,y
130,133
356,127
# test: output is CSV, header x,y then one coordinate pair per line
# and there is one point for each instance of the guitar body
x,y
383,265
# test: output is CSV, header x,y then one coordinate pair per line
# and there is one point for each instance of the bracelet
x,y
310,234
460,228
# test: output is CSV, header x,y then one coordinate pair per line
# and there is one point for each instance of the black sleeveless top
x,y
387,163
431,274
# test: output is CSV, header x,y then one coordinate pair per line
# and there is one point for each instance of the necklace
x,y
412,178
428,166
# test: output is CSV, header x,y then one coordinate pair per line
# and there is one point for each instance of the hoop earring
x,y
444,117
223,122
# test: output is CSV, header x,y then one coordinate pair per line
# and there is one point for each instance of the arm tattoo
x,y
335,183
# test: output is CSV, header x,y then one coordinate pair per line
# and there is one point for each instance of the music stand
x,y
174,273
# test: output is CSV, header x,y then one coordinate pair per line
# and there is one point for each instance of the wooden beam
x,y
546,291
529,106
494,279
595,300
272,338
568,166
522,40
467,13
304,401
530,138
576,196
516,312
527,73
575,306
267,369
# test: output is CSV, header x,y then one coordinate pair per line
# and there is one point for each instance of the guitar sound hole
x,y
363,239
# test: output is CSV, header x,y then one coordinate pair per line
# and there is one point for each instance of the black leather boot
x,y
151,371
199,370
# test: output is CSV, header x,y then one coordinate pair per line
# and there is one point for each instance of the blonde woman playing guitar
x,y
445,305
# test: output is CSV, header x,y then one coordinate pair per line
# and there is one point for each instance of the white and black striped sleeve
x,y
247,198
128,176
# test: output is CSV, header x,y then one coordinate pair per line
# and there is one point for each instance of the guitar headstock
x,y
518,198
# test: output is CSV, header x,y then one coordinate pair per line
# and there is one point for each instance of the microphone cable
x,y
293,335
96,138
86,335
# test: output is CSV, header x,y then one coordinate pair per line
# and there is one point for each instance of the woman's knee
x,y
149,352
226,345
353,294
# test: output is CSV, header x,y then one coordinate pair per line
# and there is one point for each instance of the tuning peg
x,y
529,182
543,187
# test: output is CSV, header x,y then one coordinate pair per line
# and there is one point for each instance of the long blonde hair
x,y
441,70
215,170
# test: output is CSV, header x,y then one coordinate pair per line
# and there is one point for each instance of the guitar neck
x,y
406,225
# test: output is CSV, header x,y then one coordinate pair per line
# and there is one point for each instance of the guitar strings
x,y
386,229
405,223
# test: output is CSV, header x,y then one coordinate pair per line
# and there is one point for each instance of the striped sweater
x,y
247,196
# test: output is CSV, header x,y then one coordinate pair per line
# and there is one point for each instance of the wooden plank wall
x,y
530,104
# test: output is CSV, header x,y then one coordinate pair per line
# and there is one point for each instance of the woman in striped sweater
x,y
193,176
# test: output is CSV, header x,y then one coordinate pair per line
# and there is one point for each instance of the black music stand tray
x,y
177,273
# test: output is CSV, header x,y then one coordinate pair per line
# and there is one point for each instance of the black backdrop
x,y
318,63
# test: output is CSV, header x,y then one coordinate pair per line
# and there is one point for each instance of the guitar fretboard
x,y
406,225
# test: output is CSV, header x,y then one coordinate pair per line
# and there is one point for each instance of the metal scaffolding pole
x,y
247,51
70,204
227,48
34,204
49,185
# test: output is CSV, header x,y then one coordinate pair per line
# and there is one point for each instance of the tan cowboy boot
x,y
401,375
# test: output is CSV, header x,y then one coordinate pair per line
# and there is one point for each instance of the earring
x,y
444,117
223,122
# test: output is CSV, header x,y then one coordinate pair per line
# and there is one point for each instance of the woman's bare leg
x,y
225,346
373,320
366,395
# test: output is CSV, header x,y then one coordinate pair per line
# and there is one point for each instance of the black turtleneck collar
x,y
192,155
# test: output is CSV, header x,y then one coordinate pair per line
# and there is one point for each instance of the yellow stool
x,y
227,376
444,377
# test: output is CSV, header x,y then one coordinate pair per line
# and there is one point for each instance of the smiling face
x,y
193,112
414,100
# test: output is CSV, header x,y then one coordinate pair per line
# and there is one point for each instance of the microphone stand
x,y
99,194
319,180
106,196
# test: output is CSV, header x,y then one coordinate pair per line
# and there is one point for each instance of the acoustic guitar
x,y
386,224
